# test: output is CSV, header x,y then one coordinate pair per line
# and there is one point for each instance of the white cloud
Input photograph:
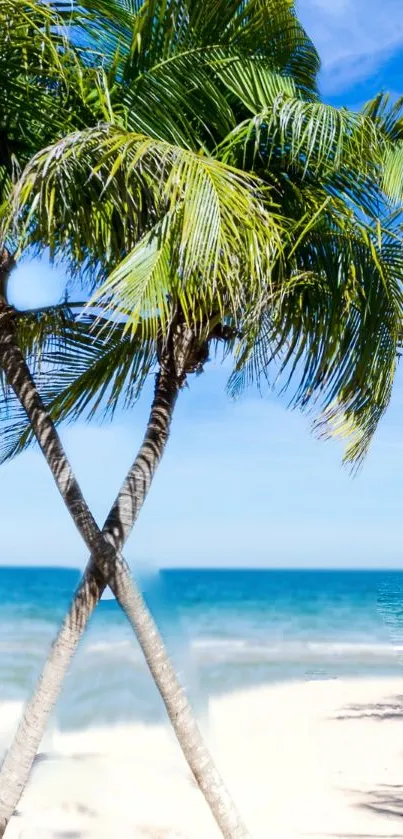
x,y
353,37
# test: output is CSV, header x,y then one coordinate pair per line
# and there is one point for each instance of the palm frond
x,y
268,28
82,367
180,101
144,32
38,73
336,331
254,83
309,136
218,225
387,115
393,172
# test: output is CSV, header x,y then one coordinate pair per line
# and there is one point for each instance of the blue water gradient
x,y
226,630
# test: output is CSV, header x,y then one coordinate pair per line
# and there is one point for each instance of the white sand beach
x,y
314,759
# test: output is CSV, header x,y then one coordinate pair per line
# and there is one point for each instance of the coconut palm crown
x,y
215,183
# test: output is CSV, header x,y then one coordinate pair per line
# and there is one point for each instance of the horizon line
x,y
215,568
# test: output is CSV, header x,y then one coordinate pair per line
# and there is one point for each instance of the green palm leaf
x,y
214,225
337,335
82,366
308,135
145,32
393,172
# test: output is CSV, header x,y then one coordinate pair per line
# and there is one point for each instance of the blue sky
x,y
360,43
241,484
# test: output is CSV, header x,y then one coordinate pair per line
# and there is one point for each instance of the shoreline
x,y
312,759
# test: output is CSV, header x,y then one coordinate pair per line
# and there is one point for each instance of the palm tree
x,y
173,369
192,274
235,191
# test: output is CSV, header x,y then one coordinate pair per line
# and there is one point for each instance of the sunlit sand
x,y
313,759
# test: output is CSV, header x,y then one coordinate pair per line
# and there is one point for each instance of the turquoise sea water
x,y
225,630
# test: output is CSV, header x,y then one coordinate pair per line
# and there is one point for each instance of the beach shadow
x,y
386,801
390,709
68,834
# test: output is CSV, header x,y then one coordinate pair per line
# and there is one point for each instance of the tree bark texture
x,y
106,566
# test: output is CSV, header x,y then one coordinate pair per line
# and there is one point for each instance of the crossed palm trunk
x,y
106,567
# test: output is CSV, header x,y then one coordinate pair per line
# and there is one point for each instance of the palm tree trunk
x,y
106,566
19,759
118,526
19,378
181,716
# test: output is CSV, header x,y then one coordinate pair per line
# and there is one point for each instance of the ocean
x,y
295,677
226,631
